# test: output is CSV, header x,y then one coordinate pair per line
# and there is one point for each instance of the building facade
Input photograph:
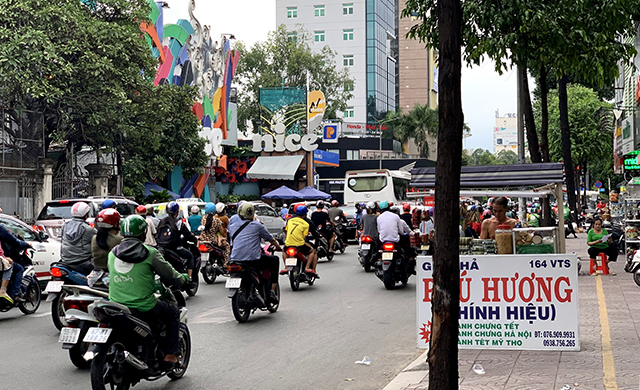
x,y
505,133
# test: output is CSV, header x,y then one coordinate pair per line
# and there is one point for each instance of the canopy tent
x,y
311,193
275,167
148,186
283,192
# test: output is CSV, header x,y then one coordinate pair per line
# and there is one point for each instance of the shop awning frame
x,y
275,167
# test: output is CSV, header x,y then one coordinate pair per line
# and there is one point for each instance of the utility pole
x,y
522,206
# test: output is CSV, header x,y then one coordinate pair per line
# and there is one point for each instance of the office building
x,y
505,133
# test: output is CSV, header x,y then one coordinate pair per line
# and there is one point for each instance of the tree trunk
x,y
443,346
566,146
529,121
544,110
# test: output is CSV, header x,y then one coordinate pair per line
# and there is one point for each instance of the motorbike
x,y
249,289
393,266
79,319
30,295
296,262
61,274
212,258
180,265
633,267
322,246
366,254
339,244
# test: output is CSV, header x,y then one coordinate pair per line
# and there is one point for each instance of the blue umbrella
x,y
283,192
311,193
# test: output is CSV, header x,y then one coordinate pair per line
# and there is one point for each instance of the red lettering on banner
x,y
526,288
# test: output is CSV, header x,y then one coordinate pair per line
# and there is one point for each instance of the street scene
x,y
284,194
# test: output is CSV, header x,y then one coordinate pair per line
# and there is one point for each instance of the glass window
x,y
292,12
347,9
334,151
347,60
365,184
318,36
347,35
319,10
353,155
292,37
349,112
18,230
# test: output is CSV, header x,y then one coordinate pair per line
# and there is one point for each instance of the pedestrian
x,y
283,211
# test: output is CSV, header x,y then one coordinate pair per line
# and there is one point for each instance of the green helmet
x,y
133,226
246,211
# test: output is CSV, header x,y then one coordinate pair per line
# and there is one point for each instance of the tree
x,y
414,126
506,157
285,61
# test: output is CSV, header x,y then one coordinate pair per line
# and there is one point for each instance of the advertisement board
x,y
519,302
330,133
322,157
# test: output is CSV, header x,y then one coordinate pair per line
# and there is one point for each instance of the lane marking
x,y
608,365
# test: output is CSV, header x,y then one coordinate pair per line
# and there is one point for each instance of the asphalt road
x,y
311,342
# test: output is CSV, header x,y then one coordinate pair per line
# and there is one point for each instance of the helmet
x,y
284,205
334,203
149,209
195,209
301,210
80,210
108,203
395,210
320,204
108,218
173,208
133,226
209,208
141,210
406,207
220,207
371,205
390,204
246,211
384,205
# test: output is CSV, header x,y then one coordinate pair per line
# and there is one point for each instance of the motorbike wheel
x,y
270,306
32,299
240,304
196,283
294,278
106,372
636,278
77,352
209,274
342,248
366,263
184,355
387,279
330,256
57,310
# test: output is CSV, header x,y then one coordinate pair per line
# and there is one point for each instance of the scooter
x,y
367,252
633,267
180,265
296,262
30,295
61,274
393,266
322,246
212,258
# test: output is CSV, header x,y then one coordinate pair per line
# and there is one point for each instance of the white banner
x,y
521,302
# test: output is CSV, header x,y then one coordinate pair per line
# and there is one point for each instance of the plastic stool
x,y
604,265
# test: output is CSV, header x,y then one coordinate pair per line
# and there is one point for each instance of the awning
x,y
275,167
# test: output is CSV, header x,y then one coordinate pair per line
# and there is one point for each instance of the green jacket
x,y
132,269
592,236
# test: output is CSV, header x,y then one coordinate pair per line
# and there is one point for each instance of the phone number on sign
x,y
555,334
558,343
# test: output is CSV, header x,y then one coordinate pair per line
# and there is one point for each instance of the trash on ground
x,y
349,379
365,360
478,369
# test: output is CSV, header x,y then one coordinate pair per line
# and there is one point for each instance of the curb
x,y
411,375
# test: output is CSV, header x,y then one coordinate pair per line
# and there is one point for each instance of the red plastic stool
x,y
604,265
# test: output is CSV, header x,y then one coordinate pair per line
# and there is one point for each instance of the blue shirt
x,y
246,246
283,212
194,222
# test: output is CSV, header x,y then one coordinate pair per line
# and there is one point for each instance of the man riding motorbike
x,y
108,223
246,234
297,230
393,229
11,246
132,268
194,219
75,249
406,215
336,215
320,218
169,232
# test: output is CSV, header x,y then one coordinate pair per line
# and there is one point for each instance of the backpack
x,y
165,236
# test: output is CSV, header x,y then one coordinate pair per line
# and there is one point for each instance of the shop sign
x,y
519,302
632,162
280,143
330,133
322,157
316,105
214,138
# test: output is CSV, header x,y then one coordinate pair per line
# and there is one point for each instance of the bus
x,y
376,185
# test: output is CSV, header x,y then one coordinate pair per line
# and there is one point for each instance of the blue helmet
x,y
209,208
301,210
383,205
173,208
108,203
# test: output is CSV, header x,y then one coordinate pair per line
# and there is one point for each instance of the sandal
x,y
6,297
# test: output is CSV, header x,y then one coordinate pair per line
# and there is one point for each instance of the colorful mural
x,y
236,172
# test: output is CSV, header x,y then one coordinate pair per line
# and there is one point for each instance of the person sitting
x,y
489,225
151,226
6,268
221,214
297,229
596,245
170,232
133,266
406,215
152,216
393,229
246,235
108,223
76,237
370,226
10,246
194,219
321,220
427,225
108,204
214,230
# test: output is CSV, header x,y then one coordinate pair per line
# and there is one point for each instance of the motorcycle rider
x,y
76,237
108,223
406,215
11,245
370,225
246,234
297,230
336,215
108,204
214,230
194,219
152,216
393,229
321,219
169,232
151,227
132,266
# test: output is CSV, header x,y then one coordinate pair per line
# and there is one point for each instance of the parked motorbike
x,y
633,266
367,252
393,266
249,289
30,296
126,349
296,263
61,274
212,258
180,265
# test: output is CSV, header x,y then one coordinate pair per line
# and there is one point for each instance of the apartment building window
x,y
353,155
292,12
349,112
318,36
319,10
347,35
347,9
347,60
292,37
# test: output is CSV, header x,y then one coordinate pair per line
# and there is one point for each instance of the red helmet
x,y
108,218
406,207
142,210
334,203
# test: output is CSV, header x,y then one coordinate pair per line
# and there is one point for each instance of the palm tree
x,y
414,125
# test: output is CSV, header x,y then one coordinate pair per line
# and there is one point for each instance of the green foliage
x,y
157,197
413,126
241,151
280,61
484,157
236,198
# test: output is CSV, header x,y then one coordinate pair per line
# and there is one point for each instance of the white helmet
x,y
371,205
220,207
80,210
195,209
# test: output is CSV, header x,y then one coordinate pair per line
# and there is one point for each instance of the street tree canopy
x,y
413,126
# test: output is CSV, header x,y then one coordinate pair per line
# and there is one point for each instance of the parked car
x,y
46,251
56,212
265,213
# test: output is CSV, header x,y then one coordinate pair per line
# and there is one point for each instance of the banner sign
x,y
330,133
322,157
316,105
519,302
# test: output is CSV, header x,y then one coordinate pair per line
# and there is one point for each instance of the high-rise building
x,y
364,35
505,133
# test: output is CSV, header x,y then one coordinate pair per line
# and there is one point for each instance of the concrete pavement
x,y
609,339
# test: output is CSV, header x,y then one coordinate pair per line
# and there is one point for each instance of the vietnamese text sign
x,y
521,302
322,157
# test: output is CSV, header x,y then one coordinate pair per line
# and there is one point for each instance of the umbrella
x,y
283,192
311,193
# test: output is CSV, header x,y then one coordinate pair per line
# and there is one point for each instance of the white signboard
x,y
291,143
520,302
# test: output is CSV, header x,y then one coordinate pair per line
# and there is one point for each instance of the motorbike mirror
x,y
44,236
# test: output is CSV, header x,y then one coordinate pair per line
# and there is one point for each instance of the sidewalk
x,y
609,357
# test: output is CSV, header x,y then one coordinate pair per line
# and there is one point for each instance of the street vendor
x,y
499,207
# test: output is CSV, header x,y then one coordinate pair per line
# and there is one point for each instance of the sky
x,y
483,90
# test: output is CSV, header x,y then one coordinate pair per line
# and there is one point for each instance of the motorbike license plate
x,y
233,283
204,256
387,255
69,335
424,247
97,335
54,286
291,261
365,247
